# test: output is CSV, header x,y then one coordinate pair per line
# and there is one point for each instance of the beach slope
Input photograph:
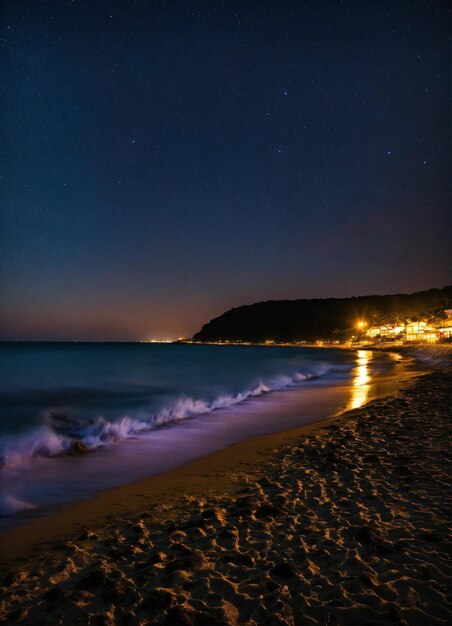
x,y
345,523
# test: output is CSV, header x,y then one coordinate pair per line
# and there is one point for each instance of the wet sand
x,y
343,522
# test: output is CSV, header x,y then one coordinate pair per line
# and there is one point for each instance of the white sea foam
x,y
39,441
59,433
9,505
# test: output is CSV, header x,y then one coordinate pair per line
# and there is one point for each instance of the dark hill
x,y
327,319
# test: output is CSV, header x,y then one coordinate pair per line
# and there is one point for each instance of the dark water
x,y
129,404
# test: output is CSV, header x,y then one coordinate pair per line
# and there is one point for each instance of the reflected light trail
x,y
361,381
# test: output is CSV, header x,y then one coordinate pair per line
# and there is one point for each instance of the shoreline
x,y
342,521
23,539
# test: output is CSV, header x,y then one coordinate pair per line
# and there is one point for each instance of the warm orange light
x,y
361,324
361,382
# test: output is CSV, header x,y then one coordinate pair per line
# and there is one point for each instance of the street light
x,y
360,326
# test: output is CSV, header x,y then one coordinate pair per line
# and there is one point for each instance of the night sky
x,y
162,162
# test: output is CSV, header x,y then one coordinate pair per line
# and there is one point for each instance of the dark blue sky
x,y
164,161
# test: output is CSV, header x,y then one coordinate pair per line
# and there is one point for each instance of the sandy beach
x,y
342,522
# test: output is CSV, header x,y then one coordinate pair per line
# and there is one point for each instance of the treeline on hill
x,y
324,319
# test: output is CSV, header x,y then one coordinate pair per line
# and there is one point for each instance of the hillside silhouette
x,y
321,319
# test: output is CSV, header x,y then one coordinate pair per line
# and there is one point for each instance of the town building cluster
x,y
419,331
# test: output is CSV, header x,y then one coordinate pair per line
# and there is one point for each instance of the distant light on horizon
x,y
157,340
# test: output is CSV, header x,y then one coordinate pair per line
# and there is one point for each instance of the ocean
x,y
77,418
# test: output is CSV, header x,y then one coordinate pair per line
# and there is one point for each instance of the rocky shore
x,y
346,524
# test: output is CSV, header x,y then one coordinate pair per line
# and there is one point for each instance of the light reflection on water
x,y
361,381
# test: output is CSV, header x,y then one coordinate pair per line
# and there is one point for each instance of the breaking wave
x,y
59,434
9,505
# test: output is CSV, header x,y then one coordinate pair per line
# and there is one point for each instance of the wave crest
x,y
9,505
60,433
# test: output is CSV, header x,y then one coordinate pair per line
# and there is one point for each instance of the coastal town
x,y
437,328
373,331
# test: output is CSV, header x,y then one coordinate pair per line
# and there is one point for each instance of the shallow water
x,y
144,408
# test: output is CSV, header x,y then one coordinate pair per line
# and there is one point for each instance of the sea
x,y
79,418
